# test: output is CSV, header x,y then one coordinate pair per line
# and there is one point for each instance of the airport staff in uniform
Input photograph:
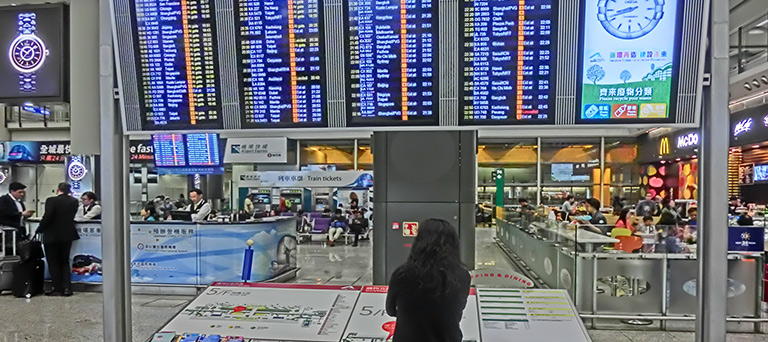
x,y
199,208
58,229
89,209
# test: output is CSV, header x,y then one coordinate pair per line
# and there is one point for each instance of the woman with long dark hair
x,y
428,293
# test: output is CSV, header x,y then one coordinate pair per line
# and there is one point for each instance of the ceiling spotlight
x,y
747,86
663,161
756,83
677,159
755,146
764,79
695,156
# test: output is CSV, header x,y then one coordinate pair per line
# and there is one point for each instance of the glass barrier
x,y
749,45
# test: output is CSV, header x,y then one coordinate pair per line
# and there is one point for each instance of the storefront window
x,y
517,158
327,155
622,171
364,155
569,167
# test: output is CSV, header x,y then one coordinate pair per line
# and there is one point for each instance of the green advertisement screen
x,y
628,66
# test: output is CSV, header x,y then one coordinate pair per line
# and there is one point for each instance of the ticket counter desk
x,y
190,254
606,282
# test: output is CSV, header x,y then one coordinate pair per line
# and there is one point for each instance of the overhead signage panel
x,y
306,179
256,150
629,61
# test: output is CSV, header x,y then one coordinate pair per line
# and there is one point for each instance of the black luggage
x,y
28,278
8,258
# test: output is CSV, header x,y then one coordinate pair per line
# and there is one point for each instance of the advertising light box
x,y
629,60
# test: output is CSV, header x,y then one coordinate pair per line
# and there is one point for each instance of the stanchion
x,y
247,261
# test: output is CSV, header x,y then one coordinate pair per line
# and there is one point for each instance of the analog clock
x,y
27,53
629,19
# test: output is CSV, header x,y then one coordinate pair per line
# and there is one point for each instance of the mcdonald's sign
x,y
664,148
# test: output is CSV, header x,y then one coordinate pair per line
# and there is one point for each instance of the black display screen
x,y
392,70
34,40
507,61
281,63
177,64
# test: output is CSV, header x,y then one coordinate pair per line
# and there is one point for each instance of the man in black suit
x,y
58,229
13,212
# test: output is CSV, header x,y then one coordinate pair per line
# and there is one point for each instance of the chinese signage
x,y
306,179
629,61
410,228
742,126
142,151
54,151
749,126
746,174
256,150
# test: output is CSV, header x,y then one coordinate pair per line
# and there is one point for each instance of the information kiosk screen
x,y
507,62
392,69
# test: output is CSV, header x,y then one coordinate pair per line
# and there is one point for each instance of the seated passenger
x,y
596,218
339,225
358,225
744,219
428,293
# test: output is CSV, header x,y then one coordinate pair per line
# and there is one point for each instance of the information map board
x,y
392,68
507,62
304,313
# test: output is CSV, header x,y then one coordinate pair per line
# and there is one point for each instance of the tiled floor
x,y
79,318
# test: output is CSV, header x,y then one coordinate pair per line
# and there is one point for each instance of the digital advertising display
x,y
392,70
177,64
630,60
34,53
281,63
507,62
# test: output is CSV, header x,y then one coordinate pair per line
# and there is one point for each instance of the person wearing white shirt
x,y
200,208
89,209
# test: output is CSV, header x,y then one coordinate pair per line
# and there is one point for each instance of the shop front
x,y
669,165
749,155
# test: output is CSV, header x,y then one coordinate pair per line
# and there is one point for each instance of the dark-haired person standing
x,y
428,293
58,229
13,212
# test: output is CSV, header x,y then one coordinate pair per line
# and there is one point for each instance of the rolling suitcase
x,y
28,278
8,259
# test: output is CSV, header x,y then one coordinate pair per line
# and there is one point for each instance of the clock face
x,y
27,53
630,19
77,171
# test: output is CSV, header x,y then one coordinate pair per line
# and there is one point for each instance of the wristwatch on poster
x,y
27,52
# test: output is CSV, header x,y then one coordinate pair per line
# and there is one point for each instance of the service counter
x,y
605,281
188,253
326,313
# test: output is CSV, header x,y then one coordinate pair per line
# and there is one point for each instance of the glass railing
x,y
749,45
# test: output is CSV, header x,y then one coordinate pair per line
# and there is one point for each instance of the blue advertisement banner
x,y
164,253
746,239
86,254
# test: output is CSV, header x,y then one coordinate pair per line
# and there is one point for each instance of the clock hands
x,y
625,11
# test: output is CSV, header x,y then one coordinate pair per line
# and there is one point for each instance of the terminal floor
x,y
79,318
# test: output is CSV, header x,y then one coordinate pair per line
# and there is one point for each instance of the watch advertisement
x,y
629,61
33,53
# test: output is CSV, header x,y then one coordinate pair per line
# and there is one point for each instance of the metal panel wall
x,y
335,50
448,45
691,65
567,62
230,85
126,63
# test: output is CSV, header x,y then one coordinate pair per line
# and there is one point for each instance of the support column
x,y
413,183
115,218
713,185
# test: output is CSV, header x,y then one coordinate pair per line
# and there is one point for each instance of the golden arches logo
x,y
664,148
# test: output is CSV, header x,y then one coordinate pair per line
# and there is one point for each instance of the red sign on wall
x,y
410,228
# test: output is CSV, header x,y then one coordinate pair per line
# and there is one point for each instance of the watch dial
x,y
629,19
28,53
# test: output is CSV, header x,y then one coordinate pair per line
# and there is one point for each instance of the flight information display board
x,y
281,63
177,64
203,149
507,61
392,70
169,150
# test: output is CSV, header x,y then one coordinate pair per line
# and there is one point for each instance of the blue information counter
x,y
187,253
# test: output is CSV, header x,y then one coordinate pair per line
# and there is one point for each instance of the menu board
x,y
629,60
280,63
317,313
529,315
169,150
177,64
507,60
392,70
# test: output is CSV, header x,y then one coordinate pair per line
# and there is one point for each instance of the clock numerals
x,y
630,19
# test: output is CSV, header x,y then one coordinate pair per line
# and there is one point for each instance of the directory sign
x,y
35,53
392,69
507,62
176,64
169,150
629,60
280,62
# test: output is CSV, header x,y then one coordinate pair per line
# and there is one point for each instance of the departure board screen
x,y
177,64
507,61
169,150
392,70
203,149
281,63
